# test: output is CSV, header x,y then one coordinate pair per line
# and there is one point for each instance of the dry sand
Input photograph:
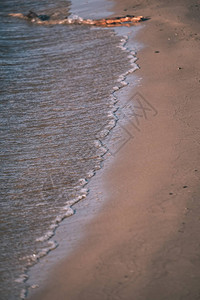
x,y
145,243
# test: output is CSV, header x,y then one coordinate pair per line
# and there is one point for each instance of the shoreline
x,y
144,243
88,207
69,233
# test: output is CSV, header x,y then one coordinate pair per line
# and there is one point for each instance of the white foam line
x,y
121,83
23,294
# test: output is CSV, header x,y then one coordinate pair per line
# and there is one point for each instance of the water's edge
x,y
68,210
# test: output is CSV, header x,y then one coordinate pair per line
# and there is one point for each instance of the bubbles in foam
x,y
133,52
23,294
115,88
22,278
112,123
121,78
90,174
84,191
48,235
110,115
124,83
75,17
82,181
97,143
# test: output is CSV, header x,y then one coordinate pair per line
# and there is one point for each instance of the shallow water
x,y
56,83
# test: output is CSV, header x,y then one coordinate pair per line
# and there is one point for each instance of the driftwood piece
x,y
127,20
118,21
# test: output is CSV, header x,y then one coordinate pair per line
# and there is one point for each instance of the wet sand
x,y
145,243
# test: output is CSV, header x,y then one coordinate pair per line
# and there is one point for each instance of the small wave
x,y
67,209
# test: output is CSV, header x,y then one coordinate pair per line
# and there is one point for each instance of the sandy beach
x,y
145,243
